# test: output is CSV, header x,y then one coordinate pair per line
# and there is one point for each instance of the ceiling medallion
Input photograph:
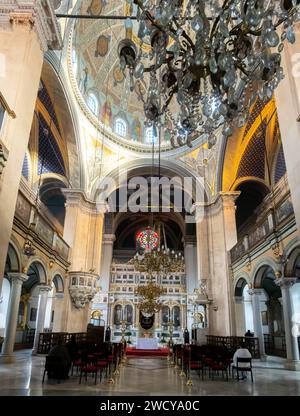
x,y
208,62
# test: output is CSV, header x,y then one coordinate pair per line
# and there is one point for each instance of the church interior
x,y
150,196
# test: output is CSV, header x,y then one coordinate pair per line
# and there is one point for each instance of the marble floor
x,y
145,376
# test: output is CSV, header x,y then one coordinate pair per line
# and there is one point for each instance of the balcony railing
x,y
258,233
41,227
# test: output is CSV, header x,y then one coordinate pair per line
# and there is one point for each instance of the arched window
x,y
117,315
120,127
176,317
165,315
129,314
150,136
92,103
74,62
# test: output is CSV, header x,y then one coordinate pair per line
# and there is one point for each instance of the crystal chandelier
x,y
208,61
154,260
160,261
157,262
150,295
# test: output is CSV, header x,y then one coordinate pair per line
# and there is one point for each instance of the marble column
x,y
239,316
27,29
216,235
190,256
17,280
58,312
288,109
292,348
41,313
83,232
257,322
107,256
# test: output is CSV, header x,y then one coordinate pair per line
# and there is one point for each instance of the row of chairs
x,y
106,358
213,361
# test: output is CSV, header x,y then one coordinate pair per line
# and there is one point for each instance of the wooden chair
x,y
89,369
238,369
218,365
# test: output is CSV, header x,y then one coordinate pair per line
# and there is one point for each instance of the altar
x,y
147,344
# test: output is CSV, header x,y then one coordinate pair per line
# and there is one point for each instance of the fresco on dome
x,y
102,45
167,132
106,113
118,74
95,8
84,80
136,129
96,68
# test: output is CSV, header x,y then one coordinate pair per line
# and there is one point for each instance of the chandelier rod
x,y
87,16
100,17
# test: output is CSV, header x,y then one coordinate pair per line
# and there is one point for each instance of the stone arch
x,y
40,269
239,287
259,270
58,282
70,123
252,193
13,260
293,257
142,166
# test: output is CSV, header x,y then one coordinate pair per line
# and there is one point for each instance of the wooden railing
x,y
256,234
275,345
47,340
232,343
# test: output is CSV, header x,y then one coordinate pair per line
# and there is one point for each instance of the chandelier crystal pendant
x,y
208,61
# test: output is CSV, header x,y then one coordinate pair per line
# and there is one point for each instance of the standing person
x,y
242,352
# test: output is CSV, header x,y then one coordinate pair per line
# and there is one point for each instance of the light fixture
x,y
155,261
28,249
204,63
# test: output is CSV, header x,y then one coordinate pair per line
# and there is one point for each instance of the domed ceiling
x,y
95,66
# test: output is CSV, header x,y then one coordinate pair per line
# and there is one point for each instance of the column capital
x,y
108,238
286,282
44,288
255,291
77,198
238,299
59,296
35,15
229,199
18,278
190,240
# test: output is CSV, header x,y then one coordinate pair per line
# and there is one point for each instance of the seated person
x,y
249,333
60,352
72,348
242,352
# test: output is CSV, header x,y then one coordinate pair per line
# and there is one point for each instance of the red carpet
x,y
162,352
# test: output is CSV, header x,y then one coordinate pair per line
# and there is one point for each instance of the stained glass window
x,y
147,239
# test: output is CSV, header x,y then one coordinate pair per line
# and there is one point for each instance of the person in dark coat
x,y
72,348
63,362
